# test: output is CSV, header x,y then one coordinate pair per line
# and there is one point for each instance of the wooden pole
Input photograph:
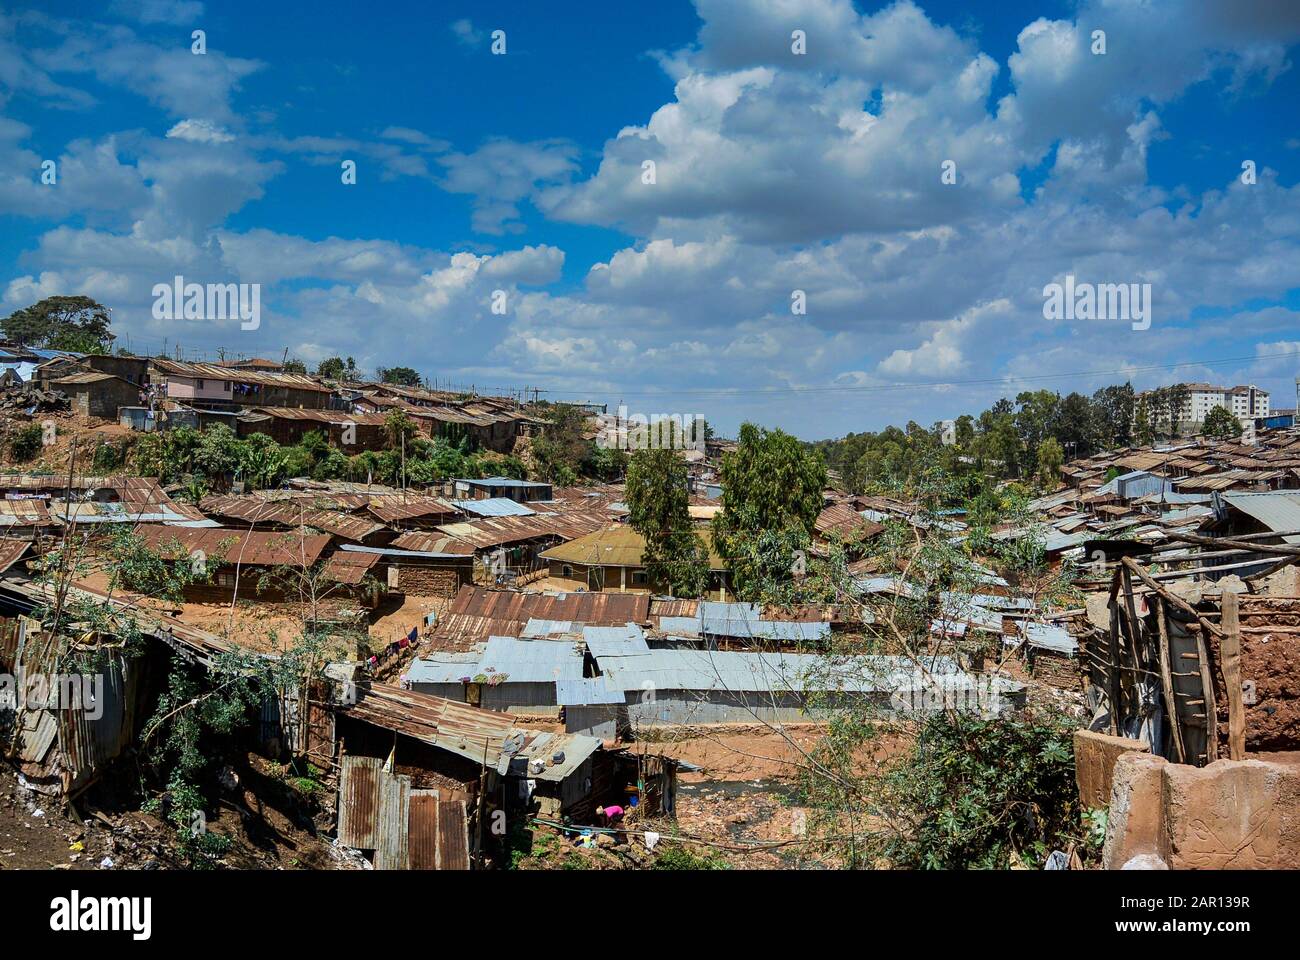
x,y
1231,646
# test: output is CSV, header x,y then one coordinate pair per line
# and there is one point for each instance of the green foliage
x,y
675,856
1002,441
968,793
336,368
196,709
658,501
1221,424
400,376
108,457
772,488
562,450
294,365
1050,458
25,442
79,324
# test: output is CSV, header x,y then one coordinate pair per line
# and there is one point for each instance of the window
x,y
566,571
226,386
199,384
639,578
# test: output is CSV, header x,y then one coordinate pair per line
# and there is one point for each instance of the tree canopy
x,y
78,324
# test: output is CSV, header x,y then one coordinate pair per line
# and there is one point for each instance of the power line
x,y
724,392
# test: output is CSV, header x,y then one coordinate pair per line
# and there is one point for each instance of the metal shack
x,y
507,673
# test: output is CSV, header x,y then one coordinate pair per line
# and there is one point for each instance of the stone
x,y
1135,818
1094,761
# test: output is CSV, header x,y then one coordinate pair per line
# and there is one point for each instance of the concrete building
x,y
94,394
1243,402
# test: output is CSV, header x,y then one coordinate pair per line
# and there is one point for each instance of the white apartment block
x,y
1243,402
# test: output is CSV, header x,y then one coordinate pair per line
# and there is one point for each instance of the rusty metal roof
x,y
11,551
391,508
338,417
477,613
419,541
24,513
212,371
292,513
469,732
495,531
239,546
347,567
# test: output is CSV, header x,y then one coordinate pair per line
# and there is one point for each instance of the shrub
x,y
975,792
26,442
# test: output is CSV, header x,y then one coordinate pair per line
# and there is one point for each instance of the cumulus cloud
x,y
774,172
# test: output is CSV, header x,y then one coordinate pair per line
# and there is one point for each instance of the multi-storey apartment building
x,y
1243,402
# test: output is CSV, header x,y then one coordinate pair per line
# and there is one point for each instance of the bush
x,y
979,793
677,857
26,442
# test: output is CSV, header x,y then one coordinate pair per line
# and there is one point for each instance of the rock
x,y
1145,861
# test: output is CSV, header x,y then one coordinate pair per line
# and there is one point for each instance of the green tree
x,y
76,323
1221,424
563,446
770,483
294,365
332,368
399,376
1050,458
658,500
1144,433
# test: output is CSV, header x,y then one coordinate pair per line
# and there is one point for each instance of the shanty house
x,y
235,561
350,432
95,394
520,491
610,560
211,385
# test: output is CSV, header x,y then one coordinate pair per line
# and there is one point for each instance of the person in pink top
x,y
610,815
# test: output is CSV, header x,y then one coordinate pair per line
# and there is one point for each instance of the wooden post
x,y
1231,646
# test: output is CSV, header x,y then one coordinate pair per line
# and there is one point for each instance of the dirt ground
x,y
266,816
88,432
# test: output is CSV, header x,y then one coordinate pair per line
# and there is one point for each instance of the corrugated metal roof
x,y
239,546
333,417
1049,636
529,661
349,567
744,620
505,482
493,507
496,531
390,509
11,551
211,371
537,629
469,732
1276,510
587,691
293,512
762,672
476,613
625,641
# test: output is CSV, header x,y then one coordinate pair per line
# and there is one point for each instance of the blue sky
x,y
775,172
